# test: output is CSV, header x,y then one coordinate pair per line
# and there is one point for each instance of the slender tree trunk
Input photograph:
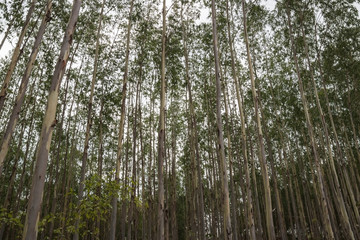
x,y
261,233
228,234
263,164
12,180
250,211
100,165
279,207
21,93
89,122
324,204
59,141
121,125
15,57
174,227
10,24
131,227
194,135
339,196
67,178
161,136
26,155
49,122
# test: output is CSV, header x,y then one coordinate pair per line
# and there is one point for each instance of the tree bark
x,y
324,205
228,234
161,135
263,164
121,125
15,56
89,122
49,122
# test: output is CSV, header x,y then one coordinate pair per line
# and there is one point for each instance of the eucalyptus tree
x,y
194,144
89,116
11,16
15,57
338,194
223,168
121,124
170,169
263,163
25,79
161,133
36,193
249,199
321,181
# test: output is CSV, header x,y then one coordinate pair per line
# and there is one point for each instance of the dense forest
x,y
182,119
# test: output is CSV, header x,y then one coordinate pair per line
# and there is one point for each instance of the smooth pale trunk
x,y
121,126
36,193
89,122
194,134
324,205
15,56
228,234
14,117
263,164
161,135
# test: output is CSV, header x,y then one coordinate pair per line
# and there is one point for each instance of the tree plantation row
x,y
139,119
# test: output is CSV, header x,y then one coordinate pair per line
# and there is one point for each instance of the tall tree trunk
x,y
228,234
49,122
15,56
232,188
194,135
161,136
21,93
100,165
58,150
89,122
250,211
263,164
131,227
324,204
338,194
174,227
121,125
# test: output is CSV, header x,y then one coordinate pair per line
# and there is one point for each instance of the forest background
x,y
150,119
